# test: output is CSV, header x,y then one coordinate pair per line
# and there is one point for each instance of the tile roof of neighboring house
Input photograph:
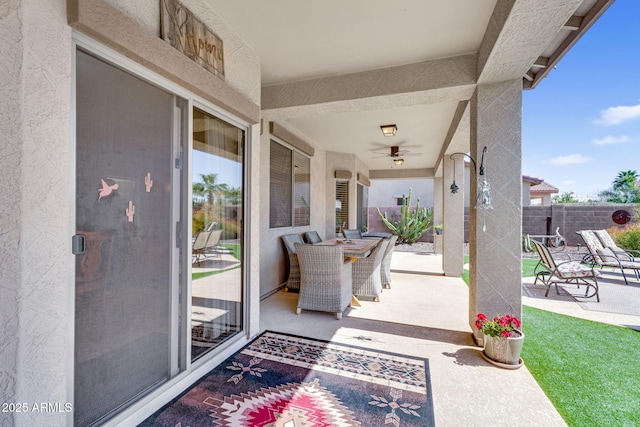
x,y
543,187
532,180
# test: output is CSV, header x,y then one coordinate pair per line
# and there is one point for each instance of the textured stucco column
x,y
437,212
453,218
495,234
36,267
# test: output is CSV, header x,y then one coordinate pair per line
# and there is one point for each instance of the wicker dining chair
x,y
366,277
293,280
325,279
385,268
352,234
312,237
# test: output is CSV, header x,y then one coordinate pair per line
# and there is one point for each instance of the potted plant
x,y
502,339
438,229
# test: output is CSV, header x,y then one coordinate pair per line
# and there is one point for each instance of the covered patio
x,y
316,81
424,315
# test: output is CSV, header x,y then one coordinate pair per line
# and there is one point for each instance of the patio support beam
x,y
453,217
495,234
441,80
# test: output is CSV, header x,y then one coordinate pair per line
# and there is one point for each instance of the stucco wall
x,y
242,64
36,200
35,262
274,264
382,191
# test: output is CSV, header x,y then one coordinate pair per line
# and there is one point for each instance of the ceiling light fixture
x,y
398,162
389,130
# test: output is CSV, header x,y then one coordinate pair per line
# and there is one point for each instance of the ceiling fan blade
x,y
407,153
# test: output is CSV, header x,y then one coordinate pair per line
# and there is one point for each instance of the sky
x,y
581,124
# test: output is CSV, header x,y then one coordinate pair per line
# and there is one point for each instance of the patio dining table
x,y
353,248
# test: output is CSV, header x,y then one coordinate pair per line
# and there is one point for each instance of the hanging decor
x,y
185,32
483,199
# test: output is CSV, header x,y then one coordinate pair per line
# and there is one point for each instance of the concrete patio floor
x,y
425,314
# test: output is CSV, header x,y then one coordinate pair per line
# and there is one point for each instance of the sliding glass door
x,y
217,224
134,328
126,330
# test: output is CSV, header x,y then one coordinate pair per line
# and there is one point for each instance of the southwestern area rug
x,y
288,381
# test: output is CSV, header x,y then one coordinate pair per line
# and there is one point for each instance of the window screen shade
x,y
280,188
342,205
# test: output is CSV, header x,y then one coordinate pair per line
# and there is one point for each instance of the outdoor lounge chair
x,y
325,279
385,268
607,242
205,243
367,279
289,240
605,257
550,272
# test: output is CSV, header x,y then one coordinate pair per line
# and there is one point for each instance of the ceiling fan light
x,y
389,130
398,162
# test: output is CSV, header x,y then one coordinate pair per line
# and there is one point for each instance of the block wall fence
x,y
536,220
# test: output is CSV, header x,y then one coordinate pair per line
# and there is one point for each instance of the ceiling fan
x,y
395,152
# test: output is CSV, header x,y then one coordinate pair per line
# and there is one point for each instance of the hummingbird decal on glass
x,y
106,189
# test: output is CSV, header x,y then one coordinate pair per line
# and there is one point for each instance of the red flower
x,y
499,326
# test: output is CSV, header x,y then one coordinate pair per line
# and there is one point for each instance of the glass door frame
x,y
245,292
187,372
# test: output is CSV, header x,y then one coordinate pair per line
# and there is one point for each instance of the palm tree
x,y
233,195
209,187
625,179
625,188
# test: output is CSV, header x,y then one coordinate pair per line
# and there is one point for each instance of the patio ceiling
x,y
337,70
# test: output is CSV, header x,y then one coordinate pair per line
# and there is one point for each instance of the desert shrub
x,y
410,225
627,237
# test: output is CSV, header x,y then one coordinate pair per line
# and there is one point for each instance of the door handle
x,y
78,245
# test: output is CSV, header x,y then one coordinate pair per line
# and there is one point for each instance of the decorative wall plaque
x,y
182,30
621,217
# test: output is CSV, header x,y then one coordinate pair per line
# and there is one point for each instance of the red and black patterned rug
x,y
289,381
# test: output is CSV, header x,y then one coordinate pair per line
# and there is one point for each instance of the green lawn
x,y
588,370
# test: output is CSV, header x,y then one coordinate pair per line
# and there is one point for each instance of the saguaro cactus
x,y
411,224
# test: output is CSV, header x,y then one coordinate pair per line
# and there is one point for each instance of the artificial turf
x,y
589,370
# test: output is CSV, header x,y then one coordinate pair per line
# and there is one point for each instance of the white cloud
x,y
611,140
569,182
571,159
619,114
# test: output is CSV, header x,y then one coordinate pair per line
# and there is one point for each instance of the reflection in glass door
x,y
217,209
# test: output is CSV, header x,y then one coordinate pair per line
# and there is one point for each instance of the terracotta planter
x,y
504,350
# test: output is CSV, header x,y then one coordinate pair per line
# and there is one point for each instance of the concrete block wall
x,y
570,218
